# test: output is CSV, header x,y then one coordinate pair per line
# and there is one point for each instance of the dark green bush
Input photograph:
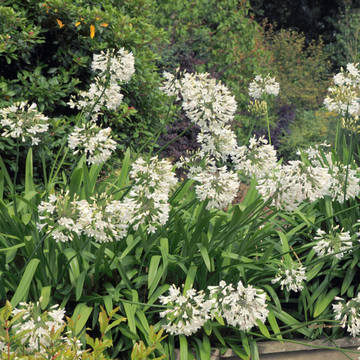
x,y
219,37
303,71
309,128
51,44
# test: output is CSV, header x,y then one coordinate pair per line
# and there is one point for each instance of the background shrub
x,y
48,56
303,70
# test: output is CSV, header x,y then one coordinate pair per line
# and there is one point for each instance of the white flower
x,y
120,67
290,276
189,312
240,307
96,142
349,314
217,185
219,141
343,98
333,243
206,102
260,86
23,121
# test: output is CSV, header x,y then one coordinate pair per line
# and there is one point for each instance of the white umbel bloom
x,y
290,276
220,142
343,98
333,243
40,326
241,306
111,68
348,314
205,101
256,160
95,142
153,181
20,121
217,185
260,86
190,311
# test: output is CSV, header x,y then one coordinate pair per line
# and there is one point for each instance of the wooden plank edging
x,y
273,347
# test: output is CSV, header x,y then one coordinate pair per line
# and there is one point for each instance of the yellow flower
x,y
60,23
92,31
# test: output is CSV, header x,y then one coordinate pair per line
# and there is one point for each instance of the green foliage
x,y
302,70
310,127
15,342
212,36
49,62
140,352
345,48
197,246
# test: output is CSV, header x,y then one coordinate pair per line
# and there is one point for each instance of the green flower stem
x,y
268,125
108,76
337,133
159,132
15,176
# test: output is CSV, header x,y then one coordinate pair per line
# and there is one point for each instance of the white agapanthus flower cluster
x,y
206,102
153,181
257,159
290,276
220,142
39,324
338,243
348,314
209,104
189,313
343,98
342,177
106,219
288,185
103,219
94,141
291,184
240,307
111,68
217,185
21,121
260,86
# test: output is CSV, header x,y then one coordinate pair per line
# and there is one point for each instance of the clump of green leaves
x,y
141,352
48,335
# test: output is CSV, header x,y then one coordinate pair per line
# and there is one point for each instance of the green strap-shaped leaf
x,y
184,353
84,311
45,294
190,278
29,182
25,282
290,321
348,278
326,300
205,255
274,325
153,269
80,285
